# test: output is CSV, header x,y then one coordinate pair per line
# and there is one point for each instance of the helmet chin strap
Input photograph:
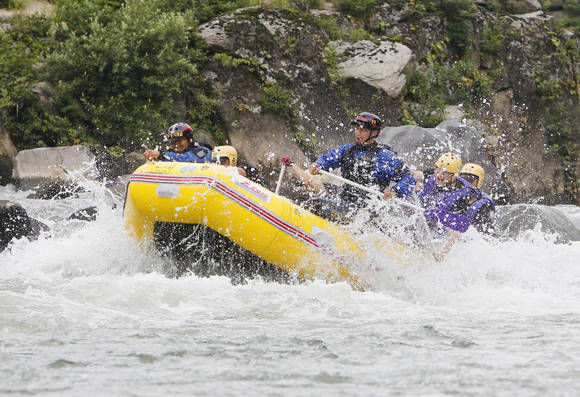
x,y
371,137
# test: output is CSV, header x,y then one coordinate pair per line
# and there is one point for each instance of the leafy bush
x,y
120,78
21,48
434,86
360,34
12,4
493,40
356,8
332,59
276,98
458,13
328,24
206,10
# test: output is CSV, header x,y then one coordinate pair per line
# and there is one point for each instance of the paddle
x,y
370,190
282,170
415,207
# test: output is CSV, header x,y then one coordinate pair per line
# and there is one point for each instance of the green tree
x,y
119,77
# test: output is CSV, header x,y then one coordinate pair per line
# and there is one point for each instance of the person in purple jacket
x,y
480,204
183,148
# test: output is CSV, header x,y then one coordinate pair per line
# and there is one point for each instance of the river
x,y
86,311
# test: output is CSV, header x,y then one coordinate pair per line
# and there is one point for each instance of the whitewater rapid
x,y
84,309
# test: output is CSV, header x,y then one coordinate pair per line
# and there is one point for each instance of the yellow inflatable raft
x,y
270,226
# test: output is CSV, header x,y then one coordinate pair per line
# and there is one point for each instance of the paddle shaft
x,y
369,190
426,226
282,170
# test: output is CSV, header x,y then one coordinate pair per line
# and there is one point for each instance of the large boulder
x,y
514,221
260,51
111,166
522,6
386,65
34,167
15,224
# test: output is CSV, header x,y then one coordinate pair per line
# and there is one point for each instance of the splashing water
x,y
85,308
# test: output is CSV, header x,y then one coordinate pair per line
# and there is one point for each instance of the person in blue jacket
x,y
367,163
183,148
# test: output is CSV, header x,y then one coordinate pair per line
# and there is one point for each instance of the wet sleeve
x,y
428,192
390,168
333,158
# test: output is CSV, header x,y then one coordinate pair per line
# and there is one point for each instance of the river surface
x,y
87,312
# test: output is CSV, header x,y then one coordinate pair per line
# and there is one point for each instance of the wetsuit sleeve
x,y
199,154
333,158
390,168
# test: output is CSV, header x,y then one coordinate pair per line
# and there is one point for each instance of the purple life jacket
x,y
439,203
432,198
475,207
482,199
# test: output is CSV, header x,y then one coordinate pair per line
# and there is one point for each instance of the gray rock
x,y
36,166
118,188
386,66
512,221
45,93
56,190
15,223
110,166
87,214
522,6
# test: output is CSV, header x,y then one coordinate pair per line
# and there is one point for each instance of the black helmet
x,y
177,131
368,121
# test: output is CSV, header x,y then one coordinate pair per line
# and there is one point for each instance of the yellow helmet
x,y
449,162
225,151
471,169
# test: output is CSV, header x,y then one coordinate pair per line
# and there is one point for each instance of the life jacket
x,y
446,206
359,170
448,199
476,206
481,199
195,153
